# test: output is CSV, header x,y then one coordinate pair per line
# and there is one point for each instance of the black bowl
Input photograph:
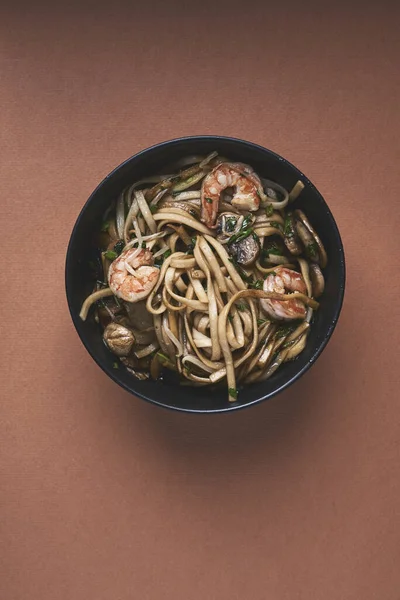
x,y
150,161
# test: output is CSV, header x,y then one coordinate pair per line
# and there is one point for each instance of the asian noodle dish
x,y
209,271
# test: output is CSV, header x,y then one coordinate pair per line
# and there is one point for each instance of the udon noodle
x,y
208,271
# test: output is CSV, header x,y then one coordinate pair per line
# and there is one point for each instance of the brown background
x,y
105,497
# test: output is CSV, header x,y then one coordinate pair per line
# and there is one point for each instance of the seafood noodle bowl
x,y
209,271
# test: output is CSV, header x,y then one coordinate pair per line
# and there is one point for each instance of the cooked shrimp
x,y
248,190
132,275
281,281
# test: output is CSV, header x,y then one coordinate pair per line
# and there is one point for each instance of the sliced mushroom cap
x,y
138,315
246,251
310,246
291,238
322,258
119,339
317,280
227,224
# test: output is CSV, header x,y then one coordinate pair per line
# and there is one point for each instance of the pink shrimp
x,y
281,281
132,275
248,190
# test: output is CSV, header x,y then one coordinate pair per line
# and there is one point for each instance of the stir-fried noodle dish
x,y
209,271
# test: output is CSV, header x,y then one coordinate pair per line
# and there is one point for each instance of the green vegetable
x,y
261,321
230,318
241,306
242,235
312,250
256,285
243,232
153,209
193,212
285,330
144,245
276,225
115,365
209,200
288,226
246,221
119,246
269,210
160,259
230,224
271,248
233,393
110,254
105,225
165,360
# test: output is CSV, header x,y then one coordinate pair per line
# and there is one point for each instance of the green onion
x,y
256,285
285,330
209,200
115,365
240,306
312,250
160,259
110,254
276,225
153,209
144,245
242,235
165,360
105,225
230,224
269,210
119,246
233,393
246,221
288,228
271,248
230,318
261,321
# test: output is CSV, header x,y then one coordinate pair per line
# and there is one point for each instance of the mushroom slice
x,y
291,237
246,251
119,339
315,249
228,223
317,280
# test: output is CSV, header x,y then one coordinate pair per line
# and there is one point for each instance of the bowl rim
x,y
327,335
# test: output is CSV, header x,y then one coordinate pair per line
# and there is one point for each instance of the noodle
x,y
213,284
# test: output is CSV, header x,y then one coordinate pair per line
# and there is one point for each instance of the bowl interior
x,y
153,160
